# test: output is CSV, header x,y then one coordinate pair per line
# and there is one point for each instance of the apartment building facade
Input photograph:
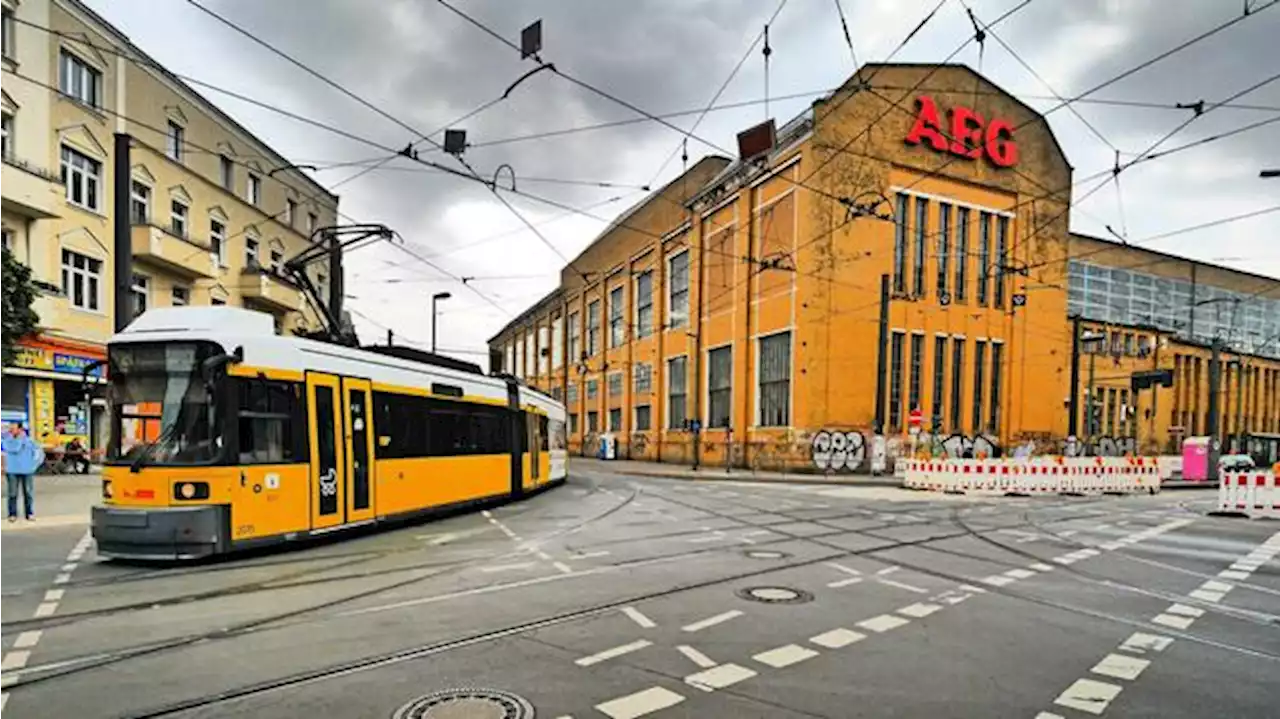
x,y
213,213
753,308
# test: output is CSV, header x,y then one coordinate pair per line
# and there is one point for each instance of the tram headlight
x,y
191,490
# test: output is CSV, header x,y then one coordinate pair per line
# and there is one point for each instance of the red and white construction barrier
x,y
1253,494
1039,475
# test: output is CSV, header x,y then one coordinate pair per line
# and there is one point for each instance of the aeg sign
x,y
969,136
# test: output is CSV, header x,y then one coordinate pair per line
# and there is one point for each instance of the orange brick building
x,y
745,296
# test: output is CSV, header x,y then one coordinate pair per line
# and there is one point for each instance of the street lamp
x,y
435,298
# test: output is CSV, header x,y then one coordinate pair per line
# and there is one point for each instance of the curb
x,y
801,479
1182,485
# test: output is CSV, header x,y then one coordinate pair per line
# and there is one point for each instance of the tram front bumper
x,y
160,534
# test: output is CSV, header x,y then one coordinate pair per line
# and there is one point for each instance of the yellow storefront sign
x,y
33,358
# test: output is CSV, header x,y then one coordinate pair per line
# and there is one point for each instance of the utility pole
x,y
1215,378
881,346
336,289
1073,403
390,334
1241,373
122,242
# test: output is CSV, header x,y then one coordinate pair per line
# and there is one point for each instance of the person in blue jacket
x,y
22,457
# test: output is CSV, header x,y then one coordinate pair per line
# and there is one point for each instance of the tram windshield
x,y
163,411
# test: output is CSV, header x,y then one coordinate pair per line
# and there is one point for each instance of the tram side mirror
x,y
211,365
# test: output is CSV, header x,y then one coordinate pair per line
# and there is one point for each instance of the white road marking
x,y
842,568
1184,610
15,660
543,555
62,578
508,567
69,567
637,705
1047,715
785,656
719,677
1042,567
712,621
999,580
26,640
1020,573
1233,574
844,582
54,595
903,585
696,656
1215,586
1204,596
1141,643
883,623
613,652
1088,695
590,555
4,699
1065,559
707,538
45,609
888,570
562,567
837,638
636,616
1121,666
919,610
1170,620
1109,546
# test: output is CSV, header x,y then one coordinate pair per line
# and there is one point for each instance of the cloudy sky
x,y
425,66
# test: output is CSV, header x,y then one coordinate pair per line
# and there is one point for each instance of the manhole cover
x,y
765,554
775,595
466,704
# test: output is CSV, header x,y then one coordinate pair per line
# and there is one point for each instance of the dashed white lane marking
x,y
543,555
717,536
696,656
591,555
562,567
844,582
1047,715
785,656
1215,586
837,638
62,578
639,618
887,570
613,652
1184,610
16,659
712,621
508,567
882,623
1233,574
1204,596
1141,643
1020,573
637,705
1170,620
1120,666
847,570
719,677
1088,695
26,640
902,585
46,609
998,580
1042,567
54,595
919,610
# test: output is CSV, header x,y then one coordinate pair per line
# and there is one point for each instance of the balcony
x,y
30,190
189,258
260,287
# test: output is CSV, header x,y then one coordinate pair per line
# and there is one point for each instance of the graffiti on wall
x,y
840,450
1099,446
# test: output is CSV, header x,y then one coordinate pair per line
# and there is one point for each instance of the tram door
x,y
535,447
357,401
327,445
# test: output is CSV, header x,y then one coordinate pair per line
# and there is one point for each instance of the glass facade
x,y
1108,294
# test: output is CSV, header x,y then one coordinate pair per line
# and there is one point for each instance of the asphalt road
x,y
618,596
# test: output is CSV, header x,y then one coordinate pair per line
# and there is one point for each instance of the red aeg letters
x,y
968,138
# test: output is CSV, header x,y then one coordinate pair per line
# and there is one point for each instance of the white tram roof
x,y
232,327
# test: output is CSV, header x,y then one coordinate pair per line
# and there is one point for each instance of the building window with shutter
x,y
775,380
676,408
719,386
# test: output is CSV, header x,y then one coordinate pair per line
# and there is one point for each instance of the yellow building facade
x,y
213,213
744,299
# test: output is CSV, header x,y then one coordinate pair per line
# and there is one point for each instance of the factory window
x,y
939,380
960,288
997,356
775,380
900,244
979,382
643,418
593,328
957,383
895,382
917,367
644,304
676,409
615,384
617,328
944,249
678,294
643,377
918,253
719,386
984,257
1002,248
575,339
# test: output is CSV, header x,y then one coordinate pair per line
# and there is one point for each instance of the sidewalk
x,y
705,473
61,500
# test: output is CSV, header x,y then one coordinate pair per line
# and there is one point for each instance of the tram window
x,y
543,433
267,422
423,427
402,420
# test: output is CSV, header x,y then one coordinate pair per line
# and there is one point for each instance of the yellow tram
x,y
225,435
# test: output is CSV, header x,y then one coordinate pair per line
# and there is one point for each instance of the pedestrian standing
x,y
22,457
